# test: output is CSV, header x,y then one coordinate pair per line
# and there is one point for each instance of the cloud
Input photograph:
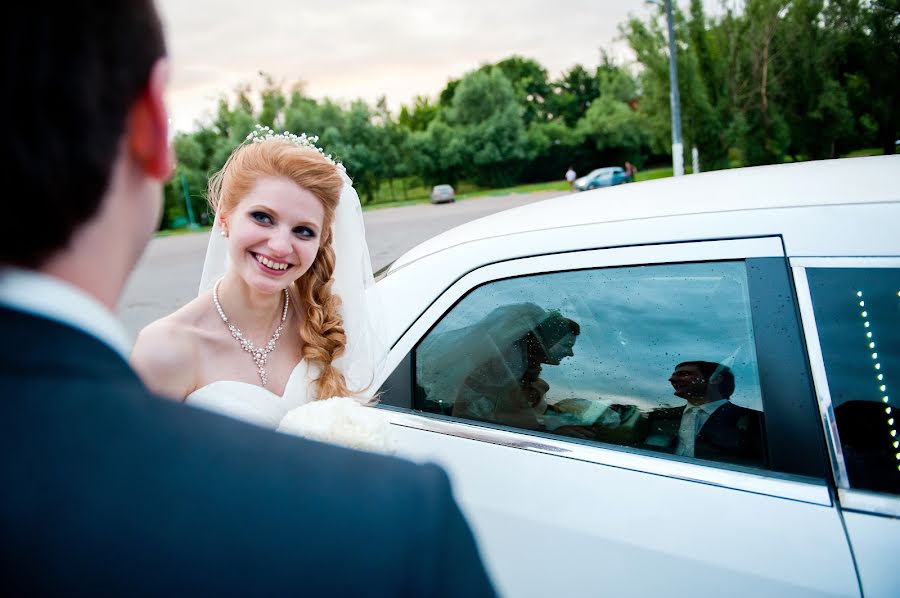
x,y
368,48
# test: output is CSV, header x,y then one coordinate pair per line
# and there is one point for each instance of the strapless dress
x,y
255,404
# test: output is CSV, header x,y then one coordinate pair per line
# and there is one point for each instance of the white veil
x,y
450,357
361,307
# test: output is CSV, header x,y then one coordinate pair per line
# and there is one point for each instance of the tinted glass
x,y
858,318
655,357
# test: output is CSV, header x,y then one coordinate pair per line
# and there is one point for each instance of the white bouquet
x,y
342,421
580,412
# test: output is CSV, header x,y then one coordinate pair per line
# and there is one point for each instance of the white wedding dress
x,y
255,404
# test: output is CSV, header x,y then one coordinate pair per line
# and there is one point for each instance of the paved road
x,y
169,272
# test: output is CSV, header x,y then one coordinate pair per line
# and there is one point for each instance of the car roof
x,y
826,182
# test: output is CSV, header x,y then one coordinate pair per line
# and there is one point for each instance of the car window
x,y
857,313
657,357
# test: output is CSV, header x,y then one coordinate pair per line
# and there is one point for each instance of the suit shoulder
x,y
737,411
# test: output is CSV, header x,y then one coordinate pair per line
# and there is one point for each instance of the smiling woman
x,y
274,231
276,300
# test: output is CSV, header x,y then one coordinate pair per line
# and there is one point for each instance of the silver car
x,y
685,389
443,194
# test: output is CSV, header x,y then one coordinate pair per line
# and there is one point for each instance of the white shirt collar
x,y
708,408
49,297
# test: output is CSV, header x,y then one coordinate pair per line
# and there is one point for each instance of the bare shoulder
x,y
166,352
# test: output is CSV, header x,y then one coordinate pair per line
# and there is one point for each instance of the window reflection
x,y
593,354
858,318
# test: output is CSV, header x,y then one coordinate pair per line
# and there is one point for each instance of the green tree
x,y
360,146
611,124
553,147
530,85
572,95
696,53
486,116
866,55
438,154
419,115
273,102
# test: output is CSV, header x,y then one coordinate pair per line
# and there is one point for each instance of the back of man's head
x,y
71,72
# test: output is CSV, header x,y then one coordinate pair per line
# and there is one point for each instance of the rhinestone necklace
x,y
259,354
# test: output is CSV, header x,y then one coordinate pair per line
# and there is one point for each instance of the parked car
x,y
442,194
602,177
543,356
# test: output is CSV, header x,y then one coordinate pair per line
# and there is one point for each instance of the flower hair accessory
x,y
261,133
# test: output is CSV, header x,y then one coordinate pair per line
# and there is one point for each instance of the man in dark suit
x,y
107,489
710,426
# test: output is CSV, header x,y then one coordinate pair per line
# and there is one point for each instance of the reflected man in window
x,y
710,426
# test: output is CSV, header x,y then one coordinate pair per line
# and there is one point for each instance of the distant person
x,y
107,489
630,171
570,178
710,426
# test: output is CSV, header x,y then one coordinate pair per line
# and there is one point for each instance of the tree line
x,y
773,80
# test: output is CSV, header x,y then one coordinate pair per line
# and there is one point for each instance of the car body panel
x,y
874,542
620,532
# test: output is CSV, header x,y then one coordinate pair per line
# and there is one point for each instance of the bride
x,y
283,317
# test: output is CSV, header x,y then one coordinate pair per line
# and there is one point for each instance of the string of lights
x,y
879,375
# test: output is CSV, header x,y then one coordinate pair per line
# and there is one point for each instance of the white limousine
x,y
685,387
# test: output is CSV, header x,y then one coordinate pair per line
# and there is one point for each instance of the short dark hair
x,y
71,72
710,368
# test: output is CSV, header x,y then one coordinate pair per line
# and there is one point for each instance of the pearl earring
x,y
224,233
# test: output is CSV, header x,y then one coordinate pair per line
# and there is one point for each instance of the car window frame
x,y
851,499
399,384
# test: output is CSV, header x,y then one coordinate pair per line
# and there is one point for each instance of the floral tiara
x,y
262,133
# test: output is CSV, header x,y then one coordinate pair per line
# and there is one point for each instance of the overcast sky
x,y
367,48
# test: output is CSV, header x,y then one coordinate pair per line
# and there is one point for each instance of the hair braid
x,y
322,328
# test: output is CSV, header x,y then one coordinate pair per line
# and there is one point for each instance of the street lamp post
x,y
674,98
187,203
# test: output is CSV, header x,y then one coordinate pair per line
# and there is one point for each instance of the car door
x,y
598,501
851,317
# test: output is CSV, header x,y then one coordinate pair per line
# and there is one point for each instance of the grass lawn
x,y
653,173
869,151
530,188
469,191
